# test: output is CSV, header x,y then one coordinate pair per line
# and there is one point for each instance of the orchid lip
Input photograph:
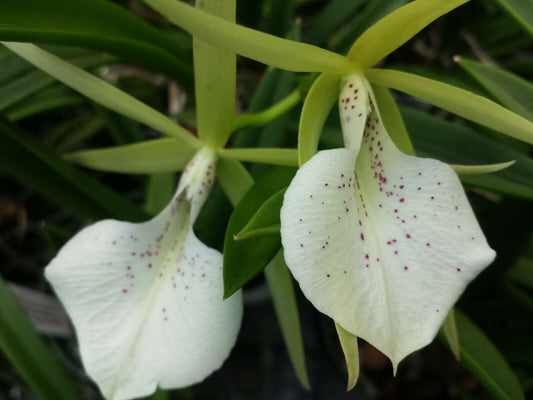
x,y
394,241
146,298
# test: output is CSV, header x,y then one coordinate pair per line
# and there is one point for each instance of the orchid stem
x,y
270,114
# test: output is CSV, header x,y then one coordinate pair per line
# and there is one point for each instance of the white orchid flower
x,y
146,299
381,242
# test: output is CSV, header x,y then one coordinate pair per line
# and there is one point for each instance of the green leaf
x,y
96,24
457,144
317,106
498,185
261,99
27,352
521,11
283,157
281,287
56,96
215,80
92,126
350,349
521,272
509,89
148,157
331,17
449,329
458,101
25,159
266,216
159,192
243,260
101,92
262,47
21,87
395,29
485,362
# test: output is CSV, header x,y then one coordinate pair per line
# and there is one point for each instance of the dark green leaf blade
x,y
243,260
25,349
28,161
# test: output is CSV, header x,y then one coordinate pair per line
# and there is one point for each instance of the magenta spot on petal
x,y
458,269
408,236
301,245
150,265
405,268
402,200
367,256
428,244
362,237
124,290
328,275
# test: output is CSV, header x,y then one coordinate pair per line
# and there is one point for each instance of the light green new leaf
x,y
395,29
28,354
283,157
281,287
215,80
262,47
350,349
458,101
509,89
521,11
317,105
485,362
101,92
265,220
149,157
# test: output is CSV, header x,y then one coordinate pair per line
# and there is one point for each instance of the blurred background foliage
x,y
45,199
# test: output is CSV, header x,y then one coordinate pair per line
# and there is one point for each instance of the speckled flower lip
x,y
382,242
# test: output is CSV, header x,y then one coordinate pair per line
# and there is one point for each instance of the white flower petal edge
x,y
382,242
146,299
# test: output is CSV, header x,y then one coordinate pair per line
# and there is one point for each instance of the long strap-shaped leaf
x,y
268,49
25,349
398,27
101,91
458,101
96,24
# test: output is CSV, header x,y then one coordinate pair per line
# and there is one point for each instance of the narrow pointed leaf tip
x,y
382,242
146,299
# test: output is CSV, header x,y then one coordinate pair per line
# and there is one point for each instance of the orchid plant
x,y
379,240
